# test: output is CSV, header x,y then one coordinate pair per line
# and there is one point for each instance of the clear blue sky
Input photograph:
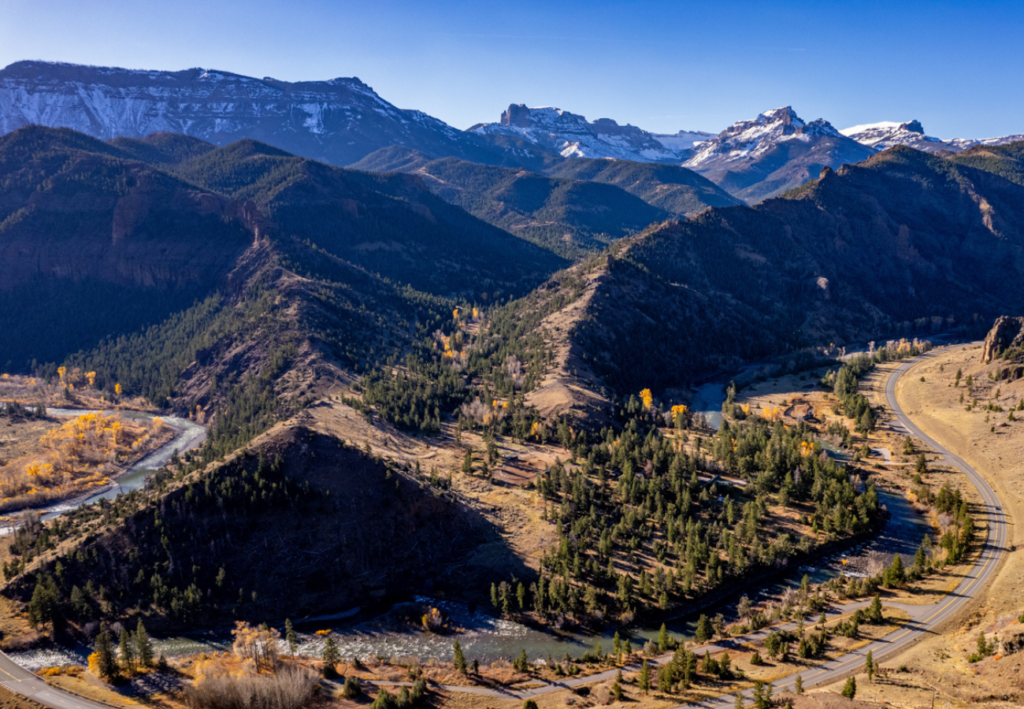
x,y
956,66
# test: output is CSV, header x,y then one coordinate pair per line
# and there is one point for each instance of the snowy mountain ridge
x,y
572,135
751,139
887,134
774,152
338,121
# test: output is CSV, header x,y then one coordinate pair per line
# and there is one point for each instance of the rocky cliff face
x,y
1007,332
573,136
337,121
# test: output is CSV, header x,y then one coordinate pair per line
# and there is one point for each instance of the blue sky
x,y
665,66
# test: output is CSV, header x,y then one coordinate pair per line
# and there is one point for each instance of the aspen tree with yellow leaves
x,y
77,455
646,398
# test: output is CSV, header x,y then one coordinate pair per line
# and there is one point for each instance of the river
x,y
483,636
190,435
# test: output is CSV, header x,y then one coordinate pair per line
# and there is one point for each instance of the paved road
x,y
19,680
923,619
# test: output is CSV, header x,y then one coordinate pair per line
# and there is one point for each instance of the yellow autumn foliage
x,y
80,453
646,398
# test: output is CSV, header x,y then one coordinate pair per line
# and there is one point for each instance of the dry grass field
x,y
936,672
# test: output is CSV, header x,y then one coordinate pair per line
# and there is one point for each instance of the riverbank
x,y
938,668
186,436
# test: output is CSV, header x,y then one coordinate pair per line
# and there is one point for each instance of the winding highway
x,y
924,619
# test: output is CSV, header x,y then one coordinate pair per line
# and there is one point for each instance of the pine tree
x,y
984,649
798,686
896,573
739,701
704,629
875,610
850,688
458,659
290,638
645,677
467,462
127,651
383,700
725,666
143,647
617,687
351,689
663,641
105,662
331,657
522,663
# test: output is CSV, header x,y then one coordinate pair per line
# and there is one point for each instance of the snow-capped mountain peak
x,y
887,134
747,140
338,121
572,135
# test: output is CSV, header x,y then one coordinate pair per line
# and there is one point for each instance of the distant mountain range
x,y
337,121
888,134
772,153
343,121
572,136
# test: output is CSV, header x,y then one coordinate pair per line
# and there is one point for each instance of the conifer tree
x,y
458,659
704,629
105,661
143,646
290,638
331,657
875,610
127,651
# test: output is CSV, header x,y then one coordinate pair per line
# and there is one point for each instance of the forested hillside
x,y
364,528
389,224
904,243
566,216
92,245
669,187
299,308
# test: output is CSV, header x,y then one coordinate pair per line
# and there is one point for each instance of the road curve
x,y
19,680
924,619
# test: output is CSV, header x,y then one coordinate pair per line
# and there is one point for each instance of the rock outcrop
x,y
1007,332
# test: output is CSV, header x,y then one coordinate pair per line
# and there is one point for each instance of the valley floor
x,y
938,671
